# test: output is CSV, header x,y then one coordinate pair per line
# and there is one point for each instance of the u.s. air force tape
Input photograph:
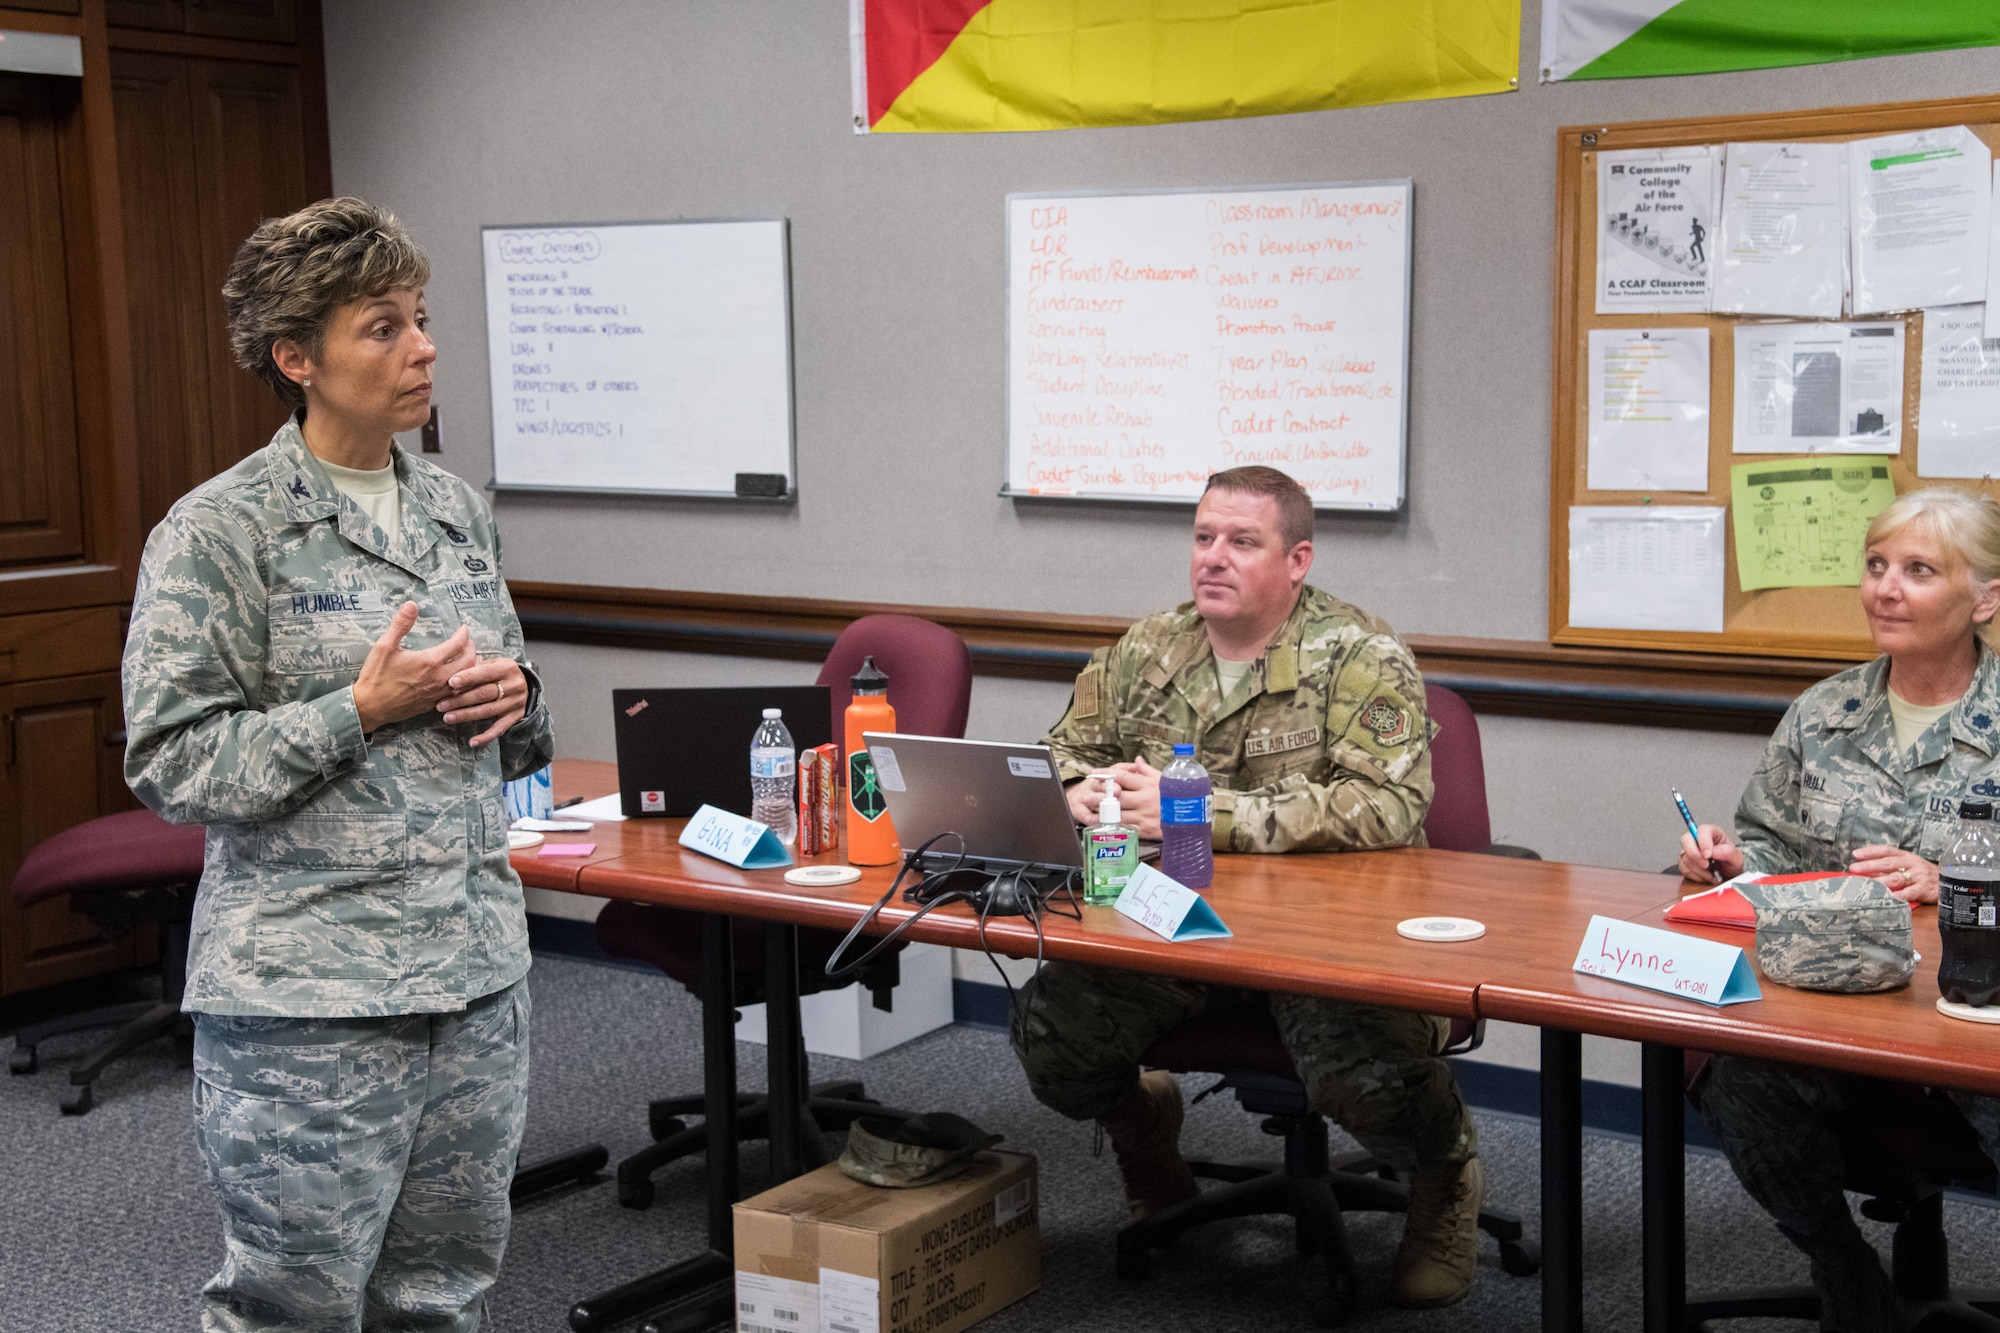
x,y
822,877
1445,929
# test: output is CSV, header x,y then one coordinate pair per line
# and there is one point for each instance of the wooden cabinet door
x,y
160,15
251,20
207,149
175,305
40,510
249,161
61,764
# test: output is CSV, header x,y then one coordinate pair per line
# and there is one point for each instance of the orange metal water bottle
x,y
871,838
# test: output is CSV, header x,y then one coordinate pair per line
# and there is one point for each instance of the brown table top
x,y
1895,1034
1322,925
1326,925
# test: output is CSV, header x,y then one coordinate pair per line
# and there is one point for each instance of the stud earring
x,y
308,384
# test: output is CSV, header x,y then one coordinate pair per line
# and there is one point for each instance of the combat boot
x,y
1145,1133
1440,1234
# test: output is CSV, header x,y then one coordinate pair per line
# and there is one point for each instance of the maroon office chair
x,y
1457,820
119,870
930,687
929,670
1901,1146
1242,1045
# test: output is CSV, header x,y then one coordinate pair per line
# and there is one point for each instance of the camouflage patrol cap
x,y
920,1151
1841,933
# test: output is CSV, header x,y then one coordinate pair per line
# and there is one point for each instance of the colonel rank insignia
x,y
1389,723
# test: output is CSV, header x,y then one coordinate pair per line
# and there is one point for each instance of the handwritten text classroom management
x,y
1156,338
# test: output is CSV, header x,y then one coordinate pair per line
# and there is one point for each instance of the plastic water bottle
x,y
1969,909
1187,821
774,763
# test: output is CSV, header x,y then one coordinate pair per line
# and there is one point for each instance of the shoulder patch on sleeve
x,y
1386,720
1085,704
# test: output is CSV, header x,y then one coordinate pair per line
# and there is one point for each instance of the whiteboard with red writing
x,y
1156,337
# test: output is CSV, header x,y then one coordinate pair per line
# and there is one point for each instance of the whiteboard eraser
x,y
760,485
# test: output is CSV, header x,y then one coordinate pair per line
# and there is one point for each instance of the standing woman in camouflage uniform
x,y
325,669
1865,773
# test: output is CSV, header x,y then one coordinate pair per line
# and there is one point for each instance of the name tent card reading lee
x,y
1661,960
1168,908
743,843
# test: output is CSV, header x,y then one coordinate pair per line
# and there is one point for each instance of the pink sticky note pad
x,y
568,848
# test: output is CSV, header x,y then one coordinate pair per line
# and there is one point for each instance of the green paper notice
x,y
1800,522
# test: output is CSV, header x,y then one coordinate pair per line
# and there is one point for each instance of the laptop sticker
x,y
887,771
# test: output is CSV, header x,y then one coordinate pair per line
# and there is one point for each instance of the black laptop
x,y
679,750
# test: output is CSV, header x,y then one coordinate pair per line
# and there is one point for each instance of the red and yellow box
x,y
819,799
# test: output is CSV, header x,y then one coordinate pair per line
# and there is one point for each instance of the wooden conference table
x,y
1325,925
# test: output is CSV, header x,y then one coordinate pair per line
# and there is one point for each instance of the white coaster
x,y
1444,929
518,839
821,877
1989,1013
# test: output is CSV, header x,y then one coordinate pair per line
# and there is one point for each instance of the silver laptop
x,y
1006,801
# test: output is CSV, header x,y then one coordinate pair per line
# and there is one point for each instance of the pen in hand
x,y
1693,832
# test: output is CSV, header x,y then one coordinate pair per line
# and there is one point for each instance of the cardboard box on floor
x,y
825,1254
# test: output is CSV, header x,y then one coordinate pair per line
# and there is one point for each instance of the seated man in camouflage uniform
x,y
1309,716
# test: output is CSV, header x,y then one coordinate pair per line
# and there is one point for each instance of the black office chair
x,y
930,687
658,935
1242,1044
1312,1185
1902,1145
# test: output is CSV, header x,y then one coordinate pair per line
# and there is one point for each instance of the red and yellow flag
x,y
963,65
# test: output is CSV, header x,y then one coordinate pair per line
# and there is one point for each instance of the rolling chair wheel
x,y
635,1193
1520,1258
76,1101
23,1060
1134,1259
661,1124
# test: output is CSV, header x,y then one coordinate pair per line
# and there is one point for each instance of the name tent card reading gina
x,y
1683,965
743,843
1168,908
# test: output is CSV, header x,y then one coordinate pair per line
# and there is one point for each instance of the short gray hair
x,y
1966,522
295,271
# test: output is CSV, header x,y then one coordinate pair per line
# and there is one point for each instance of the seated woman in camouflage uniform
x,y
324,668
1865,772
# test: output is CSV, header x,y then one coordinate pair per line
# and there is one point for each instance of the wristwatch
x,y
534,688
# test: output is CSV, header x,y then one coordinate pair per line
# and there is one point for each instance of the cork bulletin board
x,y
1817,622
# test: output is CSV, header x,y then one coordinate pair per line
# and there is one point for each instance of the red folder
x,y
1724,906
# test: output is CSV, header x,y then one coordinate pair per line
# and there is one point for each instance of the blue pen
x,y
1688,818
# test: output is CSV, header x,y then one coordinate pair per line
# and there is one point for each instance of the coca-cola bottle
x,y
1969,909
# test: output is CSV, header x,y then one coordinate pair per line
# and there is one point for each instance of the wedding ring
x,y
499,691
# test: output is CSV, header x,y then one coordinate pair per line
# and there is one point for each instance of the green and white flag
x,y
1632,39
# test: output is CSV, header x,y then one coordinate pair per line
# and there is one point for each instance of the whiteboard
x,y
649,357
1156,337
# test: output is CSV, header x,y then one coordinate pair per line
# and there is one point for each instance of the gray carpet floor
x,y
105,1224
